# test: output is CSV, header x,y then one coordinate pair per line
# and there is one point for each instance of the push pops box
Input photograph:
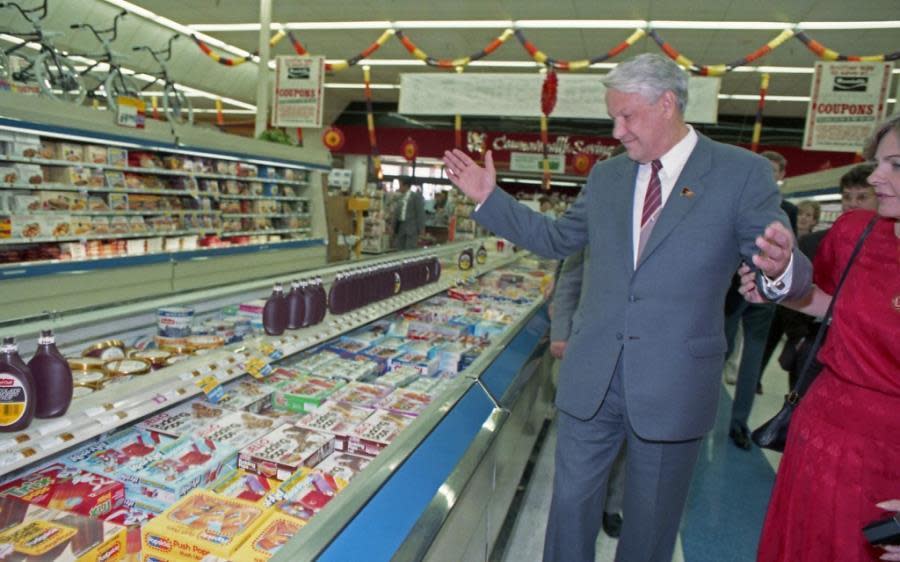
x,y
336,418
375,433
237,429
275,530
304,394
282,452
184,419
63,488
246,486
199,524
31,532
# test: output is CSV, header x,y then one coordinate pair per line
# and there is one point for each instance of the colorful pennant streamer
x,y
345,64
757,125
370,122
225,61
541,57
825,53
452,63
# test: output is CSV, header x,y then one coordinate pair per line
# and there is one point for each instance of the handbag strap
x,y
806,373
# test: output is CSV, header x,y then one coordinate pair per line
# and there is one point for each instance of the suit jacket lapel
x,y
623,210
679,203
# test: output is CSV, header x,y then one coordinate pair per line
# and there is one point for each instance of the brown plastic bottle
x,y
52,378
336,294
309,297
275,312
296,306
319,300
16,389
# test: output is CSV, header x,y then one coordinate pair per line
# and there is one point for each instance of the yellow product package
x,y
275,530
201,523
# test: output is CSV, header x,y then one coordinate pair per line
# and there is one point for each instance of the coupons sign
x,y
299,91
847,100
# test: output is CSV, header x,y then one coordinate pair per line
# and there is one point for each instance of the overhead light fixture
x,y
353,86
731,25
579,24
776,69
453,24
888,24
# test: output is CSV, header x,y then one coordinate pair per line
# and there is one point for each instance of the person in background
x,y
644,359
808,214
755,321
547,207
409,217
841,464
800,329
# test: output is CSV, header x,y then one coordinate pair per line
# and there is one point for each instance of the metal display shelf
x,y
267,197
271,231
125,403
110,236
112,212
254,215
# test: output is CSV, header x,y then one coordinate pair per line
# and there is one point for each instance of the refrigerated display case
x,y
441,485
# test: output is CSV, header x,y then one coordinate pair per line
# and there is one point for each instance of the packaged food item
x,y
26,204
132,517
17,400
63,488
185,418
376,433
185,464
174,321
276,529
119,225
126,367
304,394
70,175
120,455
282,452
237,429
106,350
31,532
343,465
156,357
336,418
27,226
69,151
79,226
116,157
406,402
100,225
244,485
303,496
247,395
361,395
56,200
200,524
8,174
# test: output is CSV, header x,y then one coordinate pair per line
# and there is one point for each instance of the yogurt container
x,y
174,321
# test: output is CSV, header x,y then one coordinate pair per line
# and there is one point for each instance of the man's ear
x,y
670,102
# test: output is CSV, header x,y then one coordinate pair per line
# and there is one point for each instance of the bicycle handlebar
x,y
26,13
98,33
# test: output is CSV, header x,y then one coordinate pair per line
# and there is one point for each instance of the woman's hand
x,y
748,288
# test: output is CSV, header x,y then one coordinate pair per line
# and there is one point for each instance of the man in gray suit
x,y
409,217
666,229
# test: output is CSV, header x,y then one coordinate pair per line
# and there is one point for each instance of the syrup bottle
x,y
309,304
296,306
319,300
336,294
52,378
16,389
275,312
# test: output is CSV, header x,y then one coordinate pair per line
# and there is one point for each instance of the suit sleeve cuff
x,y
774,289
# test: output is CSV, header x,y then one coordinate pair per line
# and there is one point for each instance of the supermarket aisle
x,y
725,508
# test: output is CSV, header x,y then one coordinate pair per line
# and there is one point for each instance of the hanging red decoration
x,y
333,138
548,92
582,163
409,149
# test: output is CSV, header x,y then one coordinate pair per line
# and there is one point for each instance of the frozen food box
x,y
236,429
29,173
343,465
375,433
117,157
184,419
244,485
336,418
304,394
64,488
275,530
282,452
247,395
70,151
30,532
199,524
95,154
406,402
120,454
186,464
315,361
305,494
400,376
421,363
362,395
132,518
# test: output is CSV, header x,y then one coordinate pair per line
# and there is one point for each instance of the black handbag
x,y
773,434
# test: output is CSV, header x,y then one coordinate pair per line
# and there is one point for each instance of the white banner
x,y
534,162
580,96
846,101
299,96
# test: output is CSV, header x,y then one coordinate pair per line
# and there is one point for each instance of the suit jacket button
x,y
619,336
632,298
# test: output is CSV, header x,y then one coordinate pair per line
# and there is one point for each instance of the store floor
x,y
725,508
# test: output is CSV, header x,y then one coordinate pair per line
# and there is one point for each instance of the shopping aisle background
x,y
727,501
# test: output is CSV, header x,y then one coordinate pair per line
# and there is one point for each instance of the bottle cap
x,y
278,288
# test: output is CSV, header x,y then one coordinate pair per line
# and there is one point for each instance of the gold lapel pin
x,y
687,192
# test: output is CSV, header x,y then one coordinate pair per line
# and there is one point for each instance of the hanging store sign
x,y
519,95
534,162
299,91
130,112
847,100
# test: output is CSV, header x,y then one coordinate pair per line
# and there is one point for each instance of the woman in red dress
x,y
842,457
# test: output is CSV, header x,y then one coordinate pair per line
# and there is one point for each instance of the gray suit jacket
x,y
663,317
415,215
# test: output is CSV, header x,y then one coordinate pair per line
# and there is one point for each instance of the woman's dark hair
x,y
892,124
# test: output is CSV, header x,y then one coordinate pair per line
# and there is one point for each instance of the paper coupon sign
x,y
211,388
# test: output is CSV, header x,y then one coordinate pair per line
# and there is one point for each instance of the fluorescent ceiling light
x,y
228,111
776,69
453,24
351,86
895,24
579,24
505,64
670,24
755,97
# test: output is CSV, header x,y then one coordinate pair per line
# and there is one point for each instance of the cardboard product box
x,y
362,395
184,419
316,360
243,485
120,454
236,429
57,200
304,394
132,517
25,146
27,226
282,374
8,174
282,452
31,532
375,433
69,175
406,402
96,178
186,464
200,524
95,154
304,496
119,225
136,225
116,157
100,226
343,465
118,201
345,347
81,226
69,151
400,377
97,204
247,395
25,204
64,488
335,418
31,174
275,530
421,363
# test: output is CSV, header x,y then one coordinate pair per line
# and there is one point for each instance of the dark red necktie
x,y
653,199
